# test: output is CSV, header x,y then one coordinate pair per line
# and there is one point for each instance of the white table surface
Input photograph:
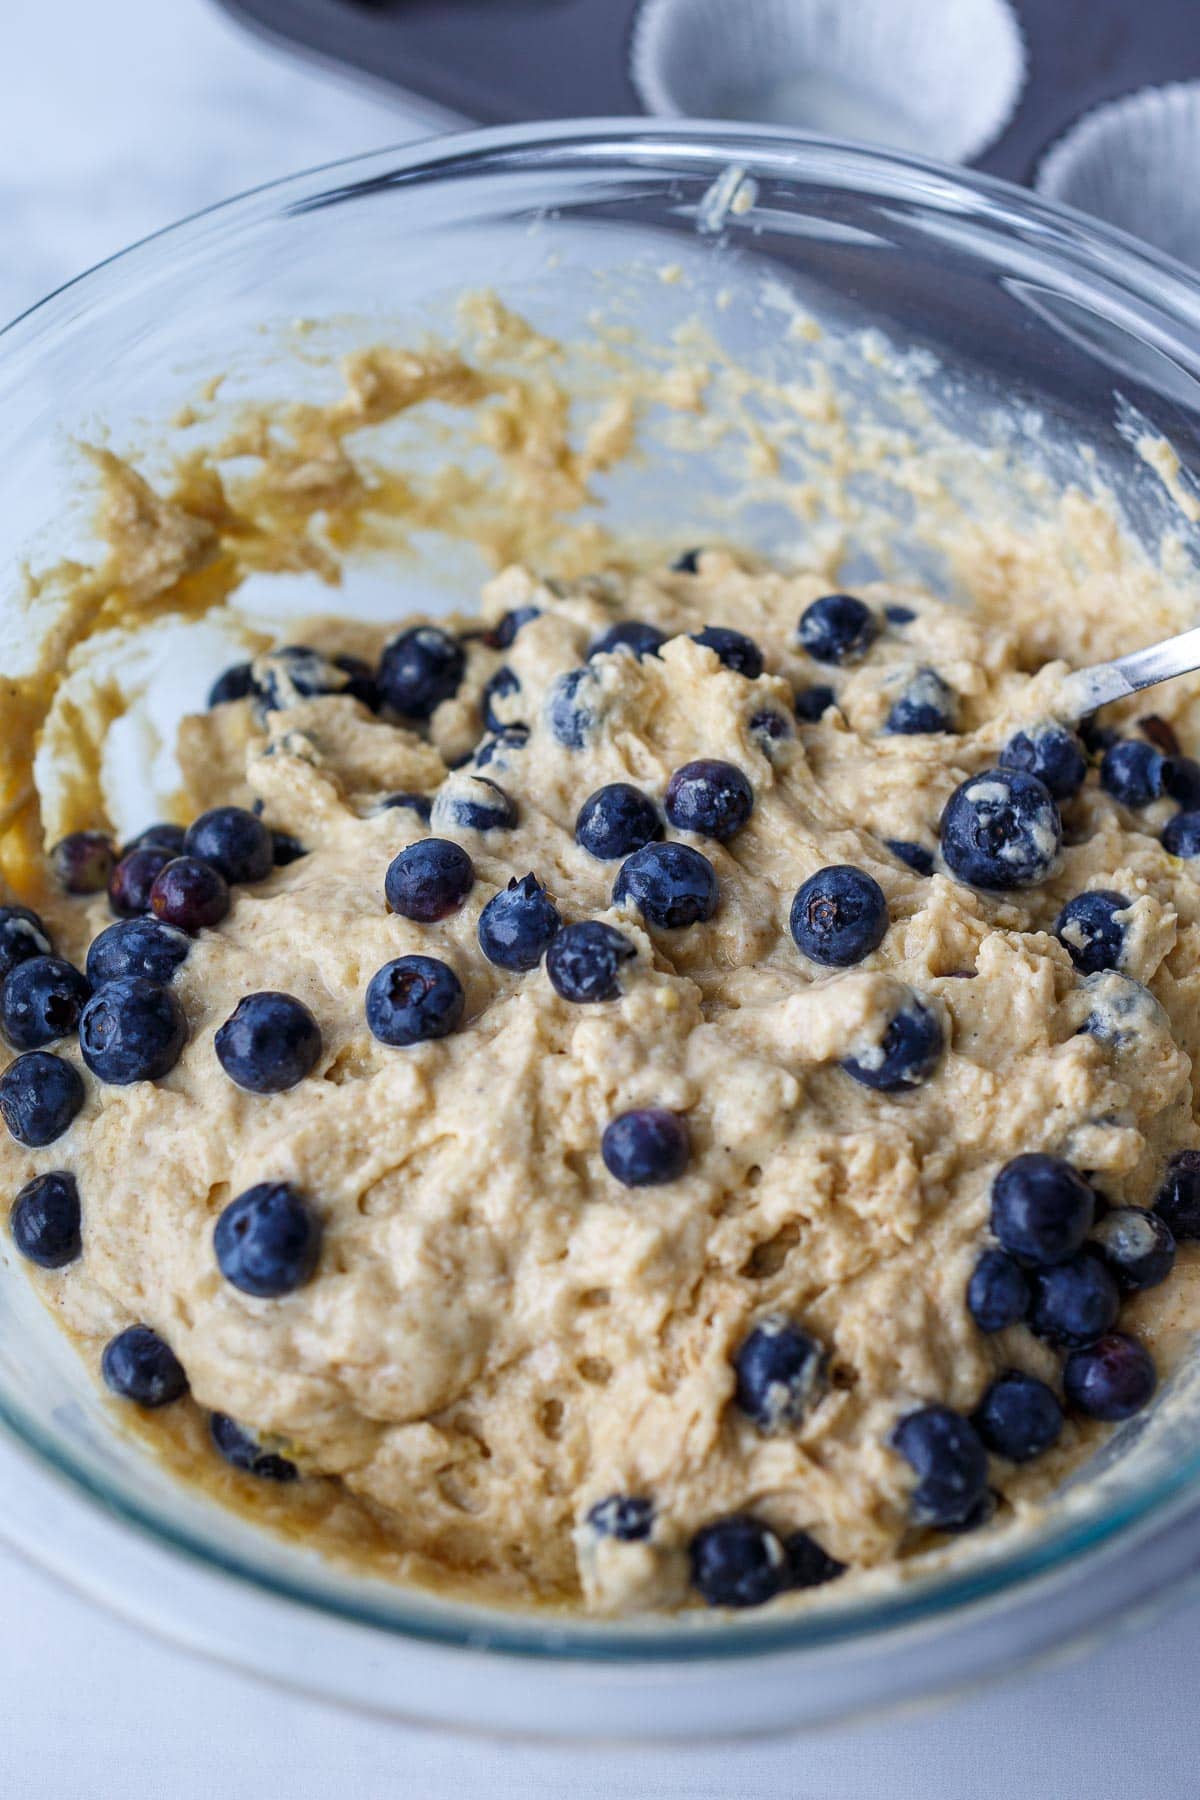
x,y
117,116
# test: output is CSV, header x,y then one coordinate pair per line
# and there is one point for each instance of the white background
x,y
117,116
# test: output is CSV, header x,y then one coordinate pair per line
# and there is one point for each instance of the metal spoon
x,y
1087,689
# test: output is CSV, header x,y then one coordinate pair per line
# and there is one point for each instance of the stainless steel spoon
x,y
1087,689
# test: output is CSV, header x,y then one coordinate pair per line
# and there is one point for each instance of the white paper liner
x,y
1135,162
941,77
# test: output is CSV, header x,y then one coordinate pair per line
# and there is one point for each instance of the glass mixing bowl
x,y
1031,330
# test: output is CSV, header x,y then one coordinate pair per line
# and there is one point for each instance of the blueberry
x,y
738,1561
136,947
285,849
713,799
950,1462
429,880
517,924
420,804
809,1565
39,1096
617,820
233,842
139,1366
573,708
500,686
1019,1417
83,862
584,962
780,1374
687,562
1052,753
268,1241
1132,772
297,672
1137,1246
132,1030
134,876
189,893
22,935
813,702
504,632
733,648
1181,835
1181,781
500,748
41,1001
268,1043
45,1220
1178,1202
1111,1379
839,916
914,856
907,1054
646,1147
928,704
242,1450
162,835
1096,738
419,669
837,629
1089,931
472,803
629,634
769,728
997,1293
627,1517
1074,1302
237,683
414,998
1042,1210
1000,829
899,615
671,885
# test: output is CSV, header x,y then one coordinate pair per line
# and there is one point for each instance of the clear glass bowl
x,y
1047,331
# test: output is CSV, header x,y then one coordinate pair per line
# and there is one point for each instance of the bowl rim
x,y
1163,290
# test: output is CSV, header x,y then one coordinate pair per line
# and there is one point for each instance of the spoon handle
x,y
1088,689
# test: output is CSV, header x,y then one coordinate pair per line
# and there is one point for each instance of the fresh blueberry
x,y
420,804
419,669
1019,1417
1089,931
472,803
1000,829
237,683
738,1561
134,876
268,1241
1096,738
243,1451
517,924
1042,1210
1052,753
132,1030
839,916
429,880
233,842
769,728
687,562
1111,1379
733,648
1074,1302
1181,835
1137,1246
162,835
39,1096
136,947
837,629
297,672
500,748
1178,1202
809,1565
627,1517
997,1293
671,885
139,1366
414,998
500,686
584,962
1132,772
504,632
914,856
268,1043
813,702
45,1220
950,1462
646,1147
22,935
285,849
41,1001
906,1055
629,634
1181,781
83,862
780,1374
617,820
189,893
928,704
899,615
713,799
573,708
